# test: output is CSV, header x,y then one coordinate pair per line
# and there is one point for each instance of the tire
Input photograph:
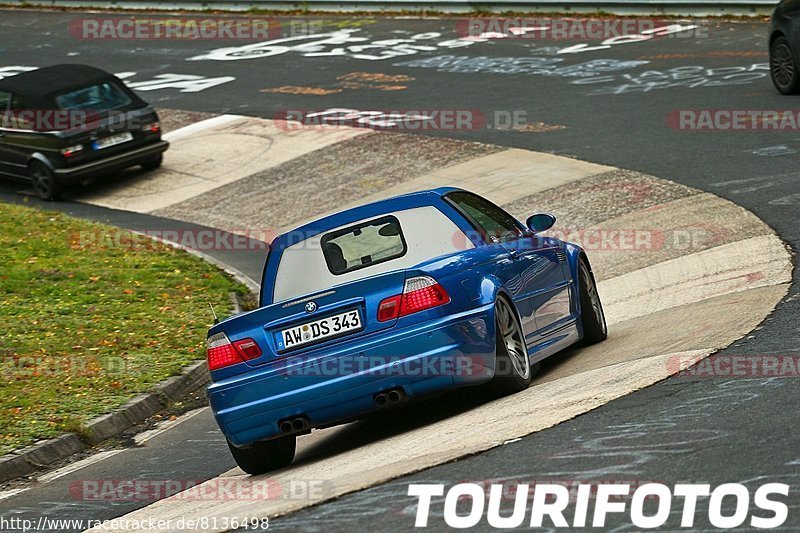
x,y
592,316
44,182
513,373
783,67
265,456
154,164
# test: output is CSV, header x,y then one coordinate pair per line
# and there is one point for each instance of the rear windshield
x,y
363,245
104,96
305,268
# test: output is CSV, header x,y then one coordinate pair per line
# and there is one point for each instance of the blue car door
x,y
545,288
533,275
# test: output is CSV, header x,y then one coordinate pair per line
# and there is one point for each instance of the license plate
x,y
318,330
113,140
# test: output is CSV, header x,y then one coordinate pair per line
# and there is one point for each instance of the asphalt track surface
x,y
693,430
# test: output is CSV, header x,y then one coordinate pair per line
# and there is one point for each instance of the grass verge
x,y
91,316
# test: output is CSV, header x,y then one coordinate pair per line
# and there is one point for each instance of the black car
x,y
66,124
784,45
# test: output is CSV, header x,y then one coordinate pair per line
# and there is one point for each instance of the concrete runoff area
x,y
211,154
666,302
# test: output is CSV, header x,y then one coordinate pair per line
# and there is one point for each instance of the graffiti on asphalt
x,y
7,72
347,82
542,66
686,76
774,185
347,42
185,83
645,35
341,43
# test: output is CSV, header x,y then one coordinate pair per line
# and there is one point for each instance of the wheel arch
x,y
41,158
491,289
775,35
575,255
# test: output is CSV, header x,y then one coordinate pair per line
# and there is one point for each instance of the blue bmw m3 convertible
x,y
383,303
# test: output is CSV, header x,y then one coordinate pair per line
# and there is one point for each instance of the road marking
x,y
13,492
199,126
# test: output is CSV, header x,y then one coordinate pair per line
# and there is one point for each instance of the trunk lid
x,y
277,326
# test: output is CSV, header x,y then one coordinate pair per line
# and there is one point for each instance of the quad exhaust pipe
x,y
291,426
390,397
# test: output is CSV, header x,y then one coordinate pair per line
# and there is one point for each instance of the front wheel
x,y
783,67
512,370
44,181
262,457
592,315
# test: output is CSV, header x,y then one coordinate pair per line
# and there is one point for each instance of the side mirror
x,y
540,222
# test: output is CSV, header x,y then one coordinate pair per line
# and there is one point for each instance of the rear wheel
x,y
592,315
264,456
512,370
783,67
154,163
44,182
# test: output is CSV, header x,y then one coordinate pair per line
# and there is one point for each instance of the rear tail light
x,y
419,293
221,352
154,127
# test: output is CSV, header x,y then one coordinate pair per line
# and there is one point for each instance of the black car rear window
x,y
363,245
101,97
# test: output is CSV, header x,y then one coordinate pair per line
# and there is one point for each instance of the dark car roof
x,y
37,86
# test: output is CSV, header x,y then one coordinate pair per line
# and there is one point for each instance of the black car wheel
x,y
44,182
513,372
592,315
154,164
265,456
783,67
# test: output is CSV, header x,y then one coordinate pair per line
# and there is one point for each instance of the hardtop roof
x,y
354,214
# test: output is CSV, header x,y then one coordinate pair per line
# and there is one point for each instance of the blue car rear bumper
x,y
339,383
